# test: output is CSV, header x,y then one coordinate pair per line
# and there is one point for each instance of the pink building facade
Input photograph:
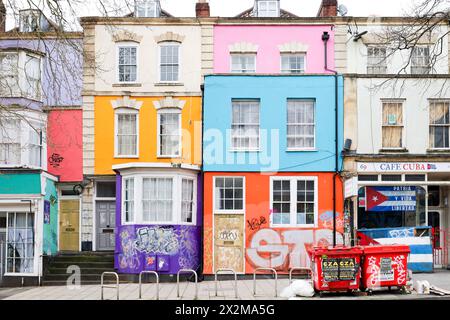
x,y
269,42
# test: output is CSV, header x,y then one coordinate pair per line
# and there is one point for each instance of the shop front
x,y
403,203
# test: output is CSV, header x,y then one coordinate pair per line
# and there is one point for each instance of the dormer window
x,y
267,8
30,21
147,8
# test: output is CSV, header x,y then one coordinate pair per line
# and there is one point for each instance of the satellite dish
x,y
342,10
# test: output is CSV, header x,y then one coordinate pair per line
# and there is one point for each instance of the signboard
x,y
381,199
386,270
351,187
403,167
46,212
339,269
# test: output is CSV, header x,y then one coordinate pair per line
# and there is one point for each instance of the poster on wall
x,y
390,199
46,212
339,269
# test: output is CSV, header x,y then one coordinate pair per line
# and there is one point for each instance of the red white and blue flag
x,y
382,199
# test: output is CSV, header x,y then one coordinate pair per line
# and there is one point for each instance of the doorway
x,y
106,225
438,238
2,244
69,225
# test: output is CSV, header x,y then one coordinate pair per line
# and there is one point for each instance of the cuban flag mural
x,y
388,199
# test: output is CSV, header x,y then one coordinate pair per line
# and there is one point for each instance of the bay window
x,y
127,128
9,74
245,125
169,133
294,201
33,77
169,62
159,198
20,242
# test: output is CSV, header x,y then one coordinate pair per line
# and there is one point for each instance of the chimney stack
x,y
2,17
202,9
328,8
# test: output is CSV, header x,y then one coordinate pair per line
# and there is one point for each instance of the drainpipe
x,y
202,229
325,38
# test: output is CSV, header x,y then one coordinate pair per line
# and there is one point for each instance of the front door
x,y
69,225
434,221
106,224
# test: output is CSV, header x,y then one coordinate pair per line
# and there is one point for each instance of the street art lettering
x,y
256,224
55,160
401,233
374,271
269,248
156,240
228,235
402,271
326,219
189,255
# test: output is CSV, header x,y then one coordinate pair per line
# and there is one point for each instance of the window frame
x,y
375,66
403,126
146,3
296,149
122,111
169,43
38,96
177,178
123,201
423,67
158,135
233,148
225,211
293,202
126,44
289,54
243,71
438,125
193,201
267,2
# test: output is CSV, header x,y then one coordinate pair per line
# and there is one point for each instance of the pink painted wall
x,y
64,145
268,38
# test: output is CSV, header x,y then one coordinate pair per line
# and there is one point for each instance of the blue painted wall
x,y
50,243
273,92
20,183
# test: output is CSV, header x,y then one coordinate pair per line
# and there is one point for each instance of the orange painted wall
x,y
286,243
104,133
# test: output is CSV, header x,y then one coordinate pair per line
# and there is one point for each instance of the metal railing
x,y
110,287
235,280
291,270
157,283
196,281
267,269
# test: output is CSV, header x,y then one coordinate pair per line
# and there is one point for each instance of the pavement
x,y
265,290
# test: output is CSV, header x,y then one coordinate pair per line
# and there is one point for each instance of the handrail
x,y
235,280
111,287
178,281
299,269
267,269
157,283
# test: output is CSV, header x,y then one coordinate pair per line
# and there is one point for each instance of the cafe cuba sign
x,y
403,167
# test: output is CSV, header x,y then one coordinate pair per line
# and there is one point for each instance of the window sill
x,y
169,157
169,84
126,85
300,226
301,150
394,150
245,151
438,150
228,212
126,157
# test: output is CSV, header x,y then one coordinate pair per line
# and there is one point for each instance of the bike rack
x,y
299,269
157,283
235,280
178,281
111,287
267,269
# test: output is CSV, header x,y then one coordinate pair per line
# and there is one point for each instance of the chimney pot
x,y
202,9
2,17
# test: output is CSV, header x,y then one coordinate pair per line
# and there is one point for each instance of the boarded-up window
x,y
392,125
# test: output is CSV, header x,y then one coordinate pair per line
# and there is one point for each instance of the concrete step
x,y
82,265
91,270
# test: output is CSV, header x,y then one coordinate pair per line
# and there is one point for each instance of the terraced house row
x,y
209,142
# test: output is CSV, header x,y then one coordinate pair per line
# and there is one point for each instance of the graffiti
x,y
256,224
189,256
326,219
128,259
156,240
401,233
55,160
374,271
228,235
287,248
401,276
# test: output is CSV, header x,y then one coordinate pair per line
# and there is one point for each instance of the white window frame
x,y
176,197
169,43
25,16
223,211
38,95
266,15
193,199
121,111
293,200
290,71
243,149
402,102
146,3
313,148
124,222
413,65
36,129
437,125
378,66
243,71
158,143
13,77
119,46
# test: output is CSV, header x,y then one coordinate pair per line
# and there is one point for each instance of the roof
x,y
249,14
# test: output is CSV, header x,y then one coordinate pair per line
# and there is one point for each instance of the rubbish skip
x,y
336,269
384,266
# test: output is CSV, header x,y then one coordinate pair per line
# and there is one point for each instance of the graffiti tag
x,y
256,224
55,160
156,240
228,235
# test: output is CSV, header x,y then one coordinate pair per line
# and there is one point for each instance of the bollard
x,y
157,283
267,269
235,280
178,281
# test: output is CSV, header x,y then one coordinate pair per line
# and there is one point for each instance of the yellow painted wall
x,y
104,133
